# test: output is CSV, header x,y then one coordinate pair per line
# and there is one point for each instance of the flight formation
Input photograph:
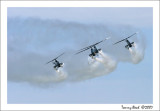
x,y
94,51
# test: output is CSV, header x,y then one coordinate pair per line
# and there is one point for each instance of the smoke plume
x,y
33,42
137,54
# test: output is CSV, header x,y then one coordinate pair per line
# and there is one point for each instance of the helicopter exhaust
x,y
61,74
136,54
109,63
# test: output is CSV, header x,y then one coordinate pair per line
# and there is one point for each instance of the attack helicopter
x,y
56,63
129,44
94,50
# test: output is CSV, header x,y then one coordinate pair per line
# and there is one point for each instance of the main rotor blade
x,y
85,48
49,61
55,58
82,50
93,44
59,55
100,41
119,41
125,38
131,35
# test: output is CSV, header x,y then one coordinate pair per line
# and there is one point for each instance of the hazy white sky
x,y
139,17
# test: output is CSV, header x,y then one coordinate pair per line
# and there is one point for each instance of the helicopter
x,y
129,44
56,63
94,50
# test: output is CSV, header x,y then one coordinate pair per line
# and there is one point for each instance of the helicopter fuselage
x,y
94,51
57,64
129,44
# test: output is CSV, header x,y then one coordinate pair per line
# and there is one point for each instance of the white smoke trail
x,y
90,60
32,42
137,54
46,79
61,74
99,59
108,63
42,80
97,67
93,64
